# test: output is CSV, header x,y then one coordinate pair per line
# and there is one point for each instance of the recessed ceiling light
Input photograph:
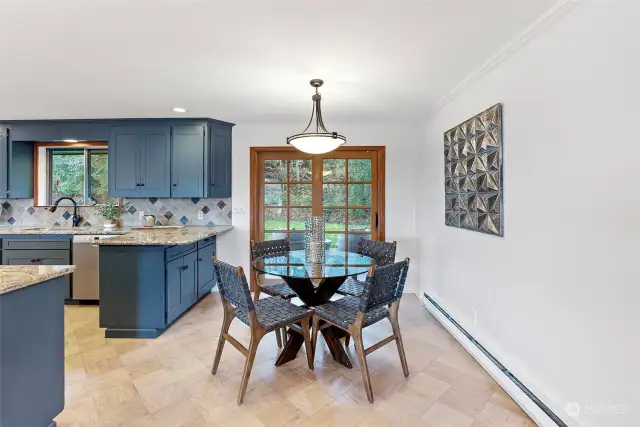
x,y
179,109
69,140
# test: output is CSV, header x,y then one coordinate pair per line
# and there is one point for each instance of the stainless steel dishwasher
x,y
86,279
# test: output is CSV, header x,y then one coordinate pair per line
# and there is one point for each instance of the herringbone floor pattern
x,y
167,382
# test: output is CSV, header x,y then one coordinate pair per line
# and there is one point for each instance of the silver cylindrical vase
x,y
314,239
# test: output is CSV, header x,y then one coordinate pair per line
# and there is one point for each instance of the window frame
x,y
49,148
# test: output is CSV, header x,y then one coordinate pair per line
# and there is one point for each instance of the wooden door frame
x,y
380,153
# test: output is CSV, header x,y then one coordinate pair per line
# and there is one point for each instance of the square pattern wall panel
x,y
473,173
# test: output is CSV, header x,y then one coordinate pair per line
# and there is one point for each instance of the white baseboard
x,y
504,381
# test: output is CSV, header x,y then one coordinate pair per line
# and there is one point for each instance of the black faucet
x,y
76,218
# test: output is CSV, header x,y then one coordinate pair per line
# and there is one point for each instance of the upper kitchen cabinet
x,y
16,167
187,161
140,161
219,170
4,159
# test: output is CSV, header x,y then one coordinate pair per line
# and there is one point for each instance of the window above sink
x,y
76,170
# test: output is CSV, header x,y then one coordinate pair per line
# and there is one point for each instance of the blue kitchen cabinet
x,y
219,185
16,167
187,161
181,285
206,274
4,162
139,161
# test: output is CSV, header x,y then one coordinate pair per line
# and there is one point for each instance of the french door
x,y
345,186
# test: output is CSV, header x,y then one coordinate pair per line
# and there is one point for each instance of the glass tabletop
x,y
293,264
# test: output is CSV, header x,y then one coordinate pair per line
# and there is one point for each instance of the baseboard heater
x,y
544,408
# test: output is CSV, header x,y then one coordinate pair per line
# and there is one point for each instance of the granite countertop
x,y
14,277
35,230
164,237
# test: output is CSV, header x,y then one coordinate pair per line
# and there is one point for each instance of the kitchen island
x,y
149,278
32,344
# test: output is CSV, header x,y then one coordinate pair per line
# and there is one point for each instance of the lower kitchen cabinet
x,y
33,251
181,285
206,275
144,289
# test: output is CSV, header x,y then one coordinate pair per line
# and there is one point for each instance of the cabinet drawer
x,y
176,251
36,244
36,257
206,242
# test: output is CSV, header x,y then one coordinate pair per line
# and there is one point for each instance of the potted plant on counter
x,y
111,210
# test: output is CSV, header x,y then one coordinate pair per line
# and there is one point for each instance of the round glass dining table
x,y
300,274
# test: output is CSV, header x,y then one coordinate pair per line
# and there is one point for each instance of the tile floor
x,y
167,382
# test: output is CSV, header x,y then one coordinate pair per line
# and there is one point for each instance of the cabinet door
x,y
205,269
187,161
124,162
220,161
156,162
174,271
16,257
189,289
4,162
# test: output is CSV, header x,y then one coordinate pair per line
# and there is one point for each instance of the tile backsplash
x,y
21,212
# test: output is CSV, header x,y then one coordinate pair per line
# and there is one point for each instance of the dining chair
x,y
263,316
279,289
380,299
383,253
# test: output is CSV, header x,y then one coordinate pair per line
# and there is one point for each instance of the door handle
x,y
376,220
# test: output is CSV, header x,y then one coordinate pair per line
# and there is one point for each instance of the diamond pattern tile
x,y
184,220
221,204
66,215
473,173
205,209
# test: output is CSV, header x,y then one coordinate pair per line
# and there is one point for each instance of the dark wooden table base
x,y
331,336
313,296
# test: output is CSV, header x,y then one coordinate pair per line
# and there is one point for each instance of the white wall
x,y
557,298
400,140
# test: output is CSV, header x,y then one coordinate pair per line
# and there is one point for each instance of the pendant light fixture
x,y
321,141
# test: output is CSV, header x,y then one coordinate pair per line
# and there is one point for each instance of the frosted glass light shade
x,y
317,143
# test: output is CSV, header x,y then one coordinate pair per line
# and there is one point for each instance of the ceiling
x,y
247,60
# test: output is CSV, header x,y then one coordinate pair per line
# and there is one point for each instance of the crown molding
x,y
561,8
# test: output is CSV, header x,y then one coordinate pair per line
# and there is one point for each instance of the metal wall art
x,y
473,173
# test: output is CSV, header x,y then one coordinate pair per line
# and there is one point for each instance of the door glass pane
x,y
275,170
354,239
275,219
275,194
297,216
359,194
334,194
300,170
67,175
334,170
99,175
300,195
296,240
335,219
359,219
359,169
274,236
335,241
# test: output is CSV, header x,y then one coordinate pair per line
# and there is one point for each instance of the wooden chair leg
x,y
256,336
285,336
357,340
226,323
307,341
393,318
278,337
314,333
